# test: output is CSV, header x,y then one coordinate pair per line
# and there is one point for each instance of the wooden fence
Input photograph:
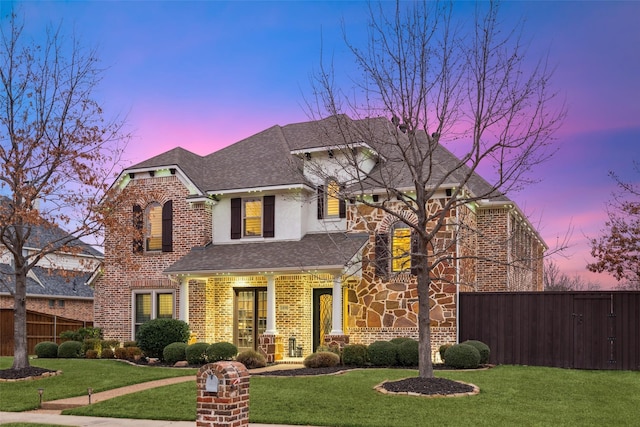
x,y
583,330
40,327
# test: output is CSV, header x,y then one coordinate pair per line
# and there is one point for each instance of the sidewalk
x,y
50,411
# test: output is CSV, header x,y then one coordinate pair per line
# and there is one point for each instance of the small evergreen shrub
x,y
130,344
462,356
196,353
154,335
107,353
322,359
482,348
46,350
92,344
251,359
400,340
221,351
132,353
383,353
174,352
70,350
442,350
81,334
120,353
408,353
354,355
91,354
110,344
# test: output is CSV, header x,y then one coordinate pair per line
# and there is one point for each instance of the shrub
x,y
354,355
107,353
120,353
482,348
383,353
81,334
130,344
196,353
321,359
46,350
91,354
70,350
251,359
462,356
92,344
442,349
110,344
154,335
174,352
400,340
221,351
133,352
408,353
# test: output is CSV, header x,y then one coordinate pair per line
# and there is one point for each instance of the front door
x,y
322,315
250,317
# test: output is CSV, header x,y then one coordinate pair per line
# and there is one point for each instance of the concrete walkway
x,y
50,411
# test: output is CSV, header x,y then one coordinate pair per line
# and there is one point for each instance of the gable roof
x,y
45,282
322,251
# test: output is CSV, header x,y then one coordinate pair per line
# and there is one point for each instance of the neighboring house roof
x,y
320,251
45,282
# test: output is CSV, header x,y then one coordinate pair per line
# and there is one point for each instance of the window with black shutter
x,y
138,224
167,226
320,196
236,218
269,208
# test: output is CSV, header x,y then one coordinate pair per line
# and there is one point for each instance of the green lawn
x,y
509,395
78,375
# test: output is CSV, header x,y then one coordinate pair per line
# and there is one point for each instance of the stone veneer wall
x,y
113,291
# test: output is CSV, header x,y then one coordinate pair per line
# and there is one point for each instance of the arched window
x,y
153,227
400,247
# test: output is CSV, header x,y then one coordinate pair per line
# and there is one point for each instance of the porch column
x,y
336,327
184,300
271,306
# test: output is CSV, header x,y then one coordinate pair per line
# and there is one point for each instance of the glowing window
x,y
154,304
333,200
401,248
252,217
154,227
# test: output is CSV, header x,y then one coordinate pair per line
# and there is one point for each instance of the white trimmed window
x,y
152,304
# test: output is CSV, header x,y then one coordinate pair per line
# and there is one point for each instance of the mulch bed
x,y
18,374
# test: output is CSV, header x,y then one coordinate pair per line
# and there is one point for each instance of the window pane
x,y
253,217
154,228
164,306
401,248
333,202
143,308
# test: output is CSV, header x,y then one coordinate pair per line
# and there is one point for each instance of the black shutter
x,y
416,254
236,218
320,201
343,205
138,224
382,255
269,212
167,226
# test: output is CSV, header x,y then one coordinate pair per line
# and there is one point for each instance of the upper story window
x,y
155,224
396,250
330,204
400,247
253,217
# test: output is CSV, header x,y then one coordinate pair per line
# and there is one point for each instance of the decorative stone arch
x,y
389,220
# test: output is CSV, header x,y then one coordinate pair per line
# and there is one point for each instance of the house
x,y
252,245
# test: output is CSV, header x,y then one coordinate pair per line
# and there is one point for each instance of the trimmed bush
x,y
174,352
196,353
221,351
92,344
120,353
400,340
482,348
383,353
133,353
354,355
322,359
251,359
442,349
130,344
81,334
70,350
91,354
462,356
107,353
46,350
154,335
110,344
408,353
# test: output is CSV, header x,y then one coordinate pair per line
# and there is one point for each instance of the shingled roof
x,y
46,282
322,251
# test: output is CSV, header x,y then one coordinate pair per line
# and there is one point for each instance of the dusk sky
x,y
202,75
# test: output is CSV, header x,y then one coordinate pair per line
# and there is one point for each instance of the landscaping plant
x,y
154,335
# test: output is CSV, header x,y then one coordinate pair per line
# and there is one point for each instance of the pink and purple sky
x,y
205,74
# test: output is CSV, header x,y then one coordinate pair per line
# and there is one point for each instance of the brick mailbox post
x,y
223,395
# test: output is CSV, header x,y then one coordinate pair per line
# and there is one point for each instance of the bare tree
x,y
57,156
617,251
555,280
437,81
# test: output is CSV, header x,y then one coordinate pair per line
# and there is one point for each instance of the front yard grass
x,y
509,395
78,375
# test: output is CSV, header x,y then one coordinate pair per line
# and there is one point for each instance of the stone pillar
x,y
223,395
271,347
336,327
271,306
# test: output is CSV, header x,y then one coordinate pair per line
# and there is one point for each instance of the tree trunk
x,y
425,365
20,350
